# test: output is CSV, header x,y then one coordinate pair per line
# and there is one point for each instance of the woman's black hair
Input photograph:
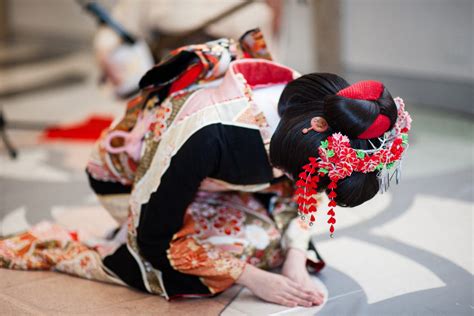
x,y
315,95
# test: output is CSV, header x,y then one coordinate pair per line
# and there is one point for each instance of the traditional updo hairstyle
x,y
315,95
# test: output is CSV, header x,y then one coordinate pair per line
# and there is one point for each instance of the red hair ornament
x,y
371,91
338,160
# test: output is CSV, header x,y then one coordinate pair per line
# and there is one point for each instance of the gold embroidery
x,y
150,142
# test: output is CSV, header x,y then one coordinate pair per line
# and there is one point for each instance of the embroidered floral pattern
x,y
47,246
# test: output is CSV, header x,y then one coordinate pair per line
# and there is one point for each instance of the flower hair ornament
x,y
338,160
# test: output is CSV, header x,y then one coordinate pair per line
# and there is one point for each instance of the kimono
x,y
186,173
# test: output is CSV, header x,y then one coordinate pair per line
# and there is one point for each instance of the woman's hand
x,y
276,288
295,269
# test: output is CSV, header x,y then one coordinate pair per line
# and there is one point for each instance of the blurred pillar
x,y
327,19
3,20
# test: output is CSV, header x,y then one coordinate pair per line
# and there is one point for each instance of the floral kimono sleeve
x,y
217,268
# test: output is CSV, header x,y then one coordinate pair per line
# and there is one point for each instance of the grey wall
x,y
297,41
58,18
422,49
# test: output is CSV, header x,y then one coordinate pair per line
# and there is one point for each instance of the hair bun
x,y
363,110
349,116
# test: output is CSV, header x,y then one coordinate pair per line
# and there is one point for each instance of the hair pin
x,y
318,124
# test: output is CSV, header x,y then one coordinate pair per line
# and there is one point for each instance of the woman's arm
x,y
299,258
297,234
296,241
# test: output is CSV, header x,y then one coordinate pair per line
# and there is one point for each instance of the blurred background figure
x,y
419,246
167,24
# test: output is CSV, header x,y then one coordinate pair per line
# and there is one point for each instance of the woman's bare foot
x,y
295,269
276,288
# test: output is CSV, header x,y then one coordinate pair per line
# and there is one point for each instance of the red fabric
x,y
73,235
134,102
378,127
87,130
263,73
363,90
188,78
368,90
315,266
247,55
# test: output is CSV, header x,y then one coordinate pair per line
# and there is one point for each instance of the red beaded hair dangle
x,y
307,186
332,203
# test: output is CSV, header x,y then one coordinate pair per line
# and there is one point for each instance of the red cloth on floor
x,y
86,130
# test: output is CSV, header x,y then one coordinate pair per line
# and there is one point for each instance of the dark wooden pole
x,y
328,35
4,27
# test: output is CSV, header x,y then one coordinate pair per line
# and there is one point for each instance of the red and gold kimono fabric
x,y
221,232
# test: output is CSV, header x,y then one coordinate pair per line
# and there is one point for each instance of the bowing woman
x,y
218,168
